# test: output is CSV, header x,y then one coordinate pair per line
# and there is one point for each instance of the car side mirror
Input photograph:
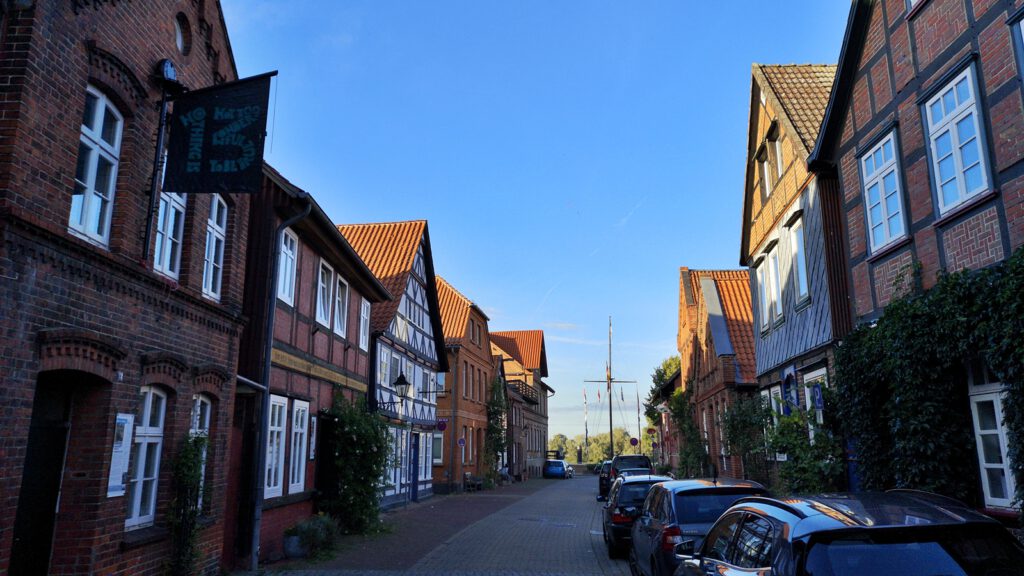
x,y
602,498
684,551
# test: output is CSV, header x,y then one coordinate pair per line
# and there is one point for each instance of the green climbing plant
x,y
188,487
693,456
494,438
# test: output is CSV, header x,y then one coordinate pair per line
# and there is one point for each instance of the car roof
x,y
709,484
865,510
643,478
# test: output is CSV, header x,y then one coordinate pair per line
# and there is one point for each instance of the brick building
x,y
407,342
790,241
716,352
667,452
112,352
519,397
322,300
526,364
457,449
922,142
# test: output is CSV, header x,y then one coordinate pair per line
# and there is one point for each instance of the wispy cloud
x,y
625,219
546,295
576,341
567,326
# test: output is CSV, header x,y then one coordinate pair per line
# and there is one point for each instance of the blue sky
x,y
569,156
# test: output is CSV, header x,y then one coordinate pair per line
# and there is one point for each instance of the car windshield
x,y
974,552
632,462
633,493
554,464
702,507
605,467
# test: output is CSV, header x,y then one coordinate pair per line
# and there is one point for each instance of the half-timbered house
x,y
407,347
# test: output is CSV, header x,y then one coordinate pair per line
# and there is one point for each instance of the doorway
x,y
39,498
414,472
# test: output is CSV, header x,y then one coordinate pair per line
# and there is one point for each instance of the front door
x,y
414,468
40,482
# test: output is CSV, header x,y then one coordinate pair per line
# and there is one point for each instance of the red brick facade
x,y
905,60
87,323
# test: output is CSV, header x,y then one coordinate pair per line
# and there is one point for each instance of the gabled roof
x,y
389,250
802,92
857,24
455,308
799,94
526,346
726,294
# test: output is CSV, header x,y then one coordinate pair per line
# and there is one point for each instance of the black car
x,y
896,532
625,498
604,480
624,461
681,510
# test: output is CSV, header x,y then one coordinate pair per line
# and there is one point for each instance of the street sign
x,y
633,441
462,442
442,424
652,431
819,400
654,445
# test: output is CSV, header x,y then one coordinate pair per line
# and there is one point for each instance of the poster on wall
x,y
120,455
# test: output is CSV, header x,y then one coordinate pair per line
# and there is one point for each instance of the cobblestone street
x,y
549,527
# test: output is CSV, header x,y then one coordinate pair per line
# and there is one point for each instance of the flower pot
x,y
293,547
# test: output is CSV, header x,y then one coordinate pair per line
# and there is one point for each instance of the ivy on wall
x,y
901,393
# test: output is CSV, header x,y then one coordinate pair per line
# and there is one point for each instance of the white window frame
x,y
273,474
777,144
364,324
438,455
341,307
950,123
312,436
798,254
286,267
766,183
170,234
762,294
299,442
202,407
147,433
815,417
465,430
383,365
878,164
991,391
216,240
90,216
774,278
324,293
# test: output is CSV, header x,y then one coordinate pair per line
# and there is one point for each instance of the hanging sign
x,y
217,135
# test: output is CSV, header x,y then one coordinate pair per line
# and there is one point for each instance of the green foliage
x,y
693,456
809,466
494,438
187,481
317,534
356,457
659,378
900,384
744,424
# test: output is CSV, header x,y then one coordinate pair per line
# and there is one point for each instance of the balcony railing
x,y
524,390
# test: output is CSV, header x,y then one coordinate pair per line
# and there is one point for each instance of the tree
x,y
494,438
661,375
559,443
693,456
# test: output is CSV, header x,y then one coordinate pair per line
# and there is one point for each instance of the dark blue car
x,y
555,469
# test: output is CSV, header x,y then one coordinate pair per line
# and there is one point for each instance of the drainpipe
x,y
268,346
454,427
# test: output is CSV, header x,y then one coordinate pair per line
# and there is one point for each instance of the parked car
x,y
635,472
624,461
624,500
603,478
678,510
897,532
555,469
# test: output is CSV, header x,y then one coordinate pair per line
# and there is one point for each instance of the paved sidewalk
x,y
415,530
542,527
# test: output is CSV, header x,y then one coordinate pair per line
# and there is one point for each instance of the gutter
x,y
268,346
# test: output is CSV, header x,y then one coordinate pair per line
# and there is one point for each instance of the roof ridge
x,y
451,286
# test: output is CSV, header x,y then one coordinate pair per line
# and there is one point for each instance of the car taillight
x,y
614,473
670,537
619,518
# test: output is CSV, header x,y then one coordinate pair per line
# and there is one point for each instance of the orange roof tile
x,y
733,291
388,249
803,91
526,346
454,311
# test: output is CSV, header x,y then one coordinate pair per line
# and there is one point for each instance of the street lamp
x,y
401,385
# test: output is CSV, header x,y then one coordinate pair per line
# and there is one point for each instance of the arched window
x,y
144,470
99,150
